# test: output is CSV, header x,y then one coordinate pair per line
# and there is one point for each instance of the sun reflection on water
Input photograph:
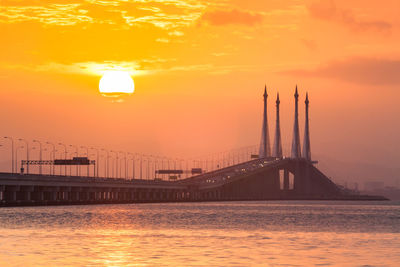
x,y
201,234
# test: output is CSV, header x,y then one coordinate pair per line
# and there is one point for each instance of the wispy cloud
x,y
327,10
357,70
56,14
234,16
134,68
84,68
131,13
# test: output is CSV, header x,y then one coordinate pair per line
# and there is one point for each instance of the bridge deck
x,y
252,180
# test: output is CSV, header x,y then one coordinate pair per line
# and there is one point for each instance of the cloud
x,y
169,14
310,44
234,16
327,10
357,70
135,68
56,14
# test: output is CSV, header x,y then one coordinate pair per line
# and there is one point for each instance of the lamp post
x,y
97,161
133,165
76,152
116,164
53,154
45,150
162,165
120,164
65,157
12,152
187,168
27,153
16,157
116,168
141,166
148,165
40,154
87,154
181,162
107,162
125,166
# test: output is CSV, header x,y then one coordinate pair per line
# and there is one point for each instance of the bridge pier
x,y
306,179
10,193
297,178
276,180
285,180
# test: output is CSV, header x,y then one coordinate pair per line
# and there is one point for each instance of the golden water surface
x,y
203,234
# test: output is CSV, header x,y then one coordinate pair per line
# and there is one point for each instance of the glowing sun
x,y
116,83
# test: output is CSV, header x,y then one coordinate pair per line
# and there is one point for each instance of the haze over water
x,y
276,233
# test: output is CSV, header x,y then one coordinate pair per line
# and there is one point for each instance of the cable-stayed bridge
x,y
242,174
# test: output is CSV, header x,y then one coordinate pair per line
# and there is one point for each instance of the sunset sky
x,y
199,69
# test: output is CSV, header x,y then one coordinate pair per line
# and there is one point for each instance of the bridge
x,y
270,176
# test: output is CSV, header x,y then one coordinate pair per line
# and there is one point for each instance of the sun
x,y
116,83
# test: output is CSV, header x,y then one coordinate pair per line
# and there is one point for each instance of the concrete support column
x,y
298,179
10,196
307,180
74,195
52,195
276,181
84,196
27,196
2,189
40,196
286,180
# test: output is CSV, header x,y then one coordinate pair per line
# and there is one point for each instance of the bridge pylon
x,y
306,142
277,148
265,148
296,152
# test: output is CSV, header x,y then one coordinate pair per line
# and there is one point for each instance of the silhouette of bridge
x,y
238,176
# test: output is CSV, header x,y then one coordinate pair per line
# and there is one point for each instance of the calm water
x,y
303,233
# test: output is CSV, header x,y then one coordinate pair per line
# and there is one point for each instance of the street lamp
x,y
40,155
116,164
106,166
97,161
16,156
87,154
148,166
27,153
123,153
133,165
120,165
12,152
76,152
116,167
65,157
53,153
156,165
141,166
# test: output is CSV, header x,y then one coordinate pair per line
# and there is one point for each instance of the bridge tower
x,y
265,149
306,142
296,152
277,149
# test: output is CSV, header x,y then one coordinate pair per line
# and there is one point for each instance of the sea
x,y
262,233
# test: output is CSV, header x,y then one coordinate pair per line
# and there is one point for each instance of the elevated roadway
x,y
260,179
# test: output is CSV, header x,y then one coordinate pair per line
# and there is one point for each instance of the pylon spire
x,y
277,149
306,142
265,149
296,152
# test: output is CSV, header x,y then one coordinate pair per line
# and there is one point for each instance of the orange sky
x,y
199,69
